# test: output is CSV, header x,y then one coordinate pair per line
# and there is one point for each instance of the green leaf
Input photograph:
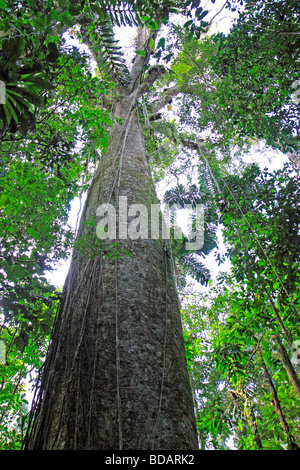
x,y
12,111
161,44
188,23
12,92
40,83
153,25
33,233
202,15
142,53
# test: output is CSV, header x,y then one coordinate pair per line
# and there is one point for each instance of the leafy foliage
x,y
227,89
258,63
246,310
262,219
190,261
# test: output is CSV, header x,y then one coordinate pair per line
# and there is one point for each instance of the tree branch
x,y
164,99
153,75
140,61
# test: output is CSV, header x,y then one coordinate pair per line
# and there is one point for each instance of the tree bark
x,y
294,379
276,402
115,376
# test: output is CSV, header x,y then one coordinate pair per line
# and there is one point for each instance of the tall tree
x,y
116,376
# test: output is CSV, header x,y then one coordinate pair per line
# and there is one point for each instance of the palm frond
x,y
190,261
132,12
191,265
107,52
118,12
182,195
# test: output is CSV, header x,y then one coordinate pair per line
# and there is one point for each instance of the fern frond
x,y
108,53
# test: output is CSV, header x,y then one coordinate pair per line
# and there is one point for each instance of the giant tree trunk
x,y
115,376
